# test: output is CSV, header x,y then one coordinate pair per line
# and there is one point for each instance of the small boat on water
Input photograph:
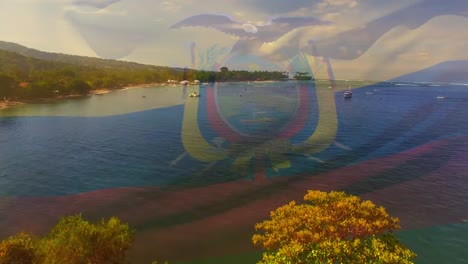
x,y
348,93
194,94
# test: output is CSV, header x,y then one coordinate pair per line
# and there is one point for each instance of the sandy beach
x,y
99,91
7,104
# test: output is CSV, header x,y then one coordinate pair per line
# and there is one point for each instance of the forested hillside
x,y
26,77
72,59
45,75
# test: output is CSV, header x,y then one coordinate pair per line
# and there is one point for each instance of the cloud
x,y
108,42
116,31
337,4
352,43
267,32
139,30
277,6
401,50
94,3
251,38
170,6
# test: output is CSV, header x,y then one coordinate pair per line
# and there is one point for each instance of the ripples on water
x,y
247,133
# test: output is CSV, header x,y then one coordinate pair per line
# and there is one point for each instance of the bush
x,y
331,228
79,86
19,249
72,240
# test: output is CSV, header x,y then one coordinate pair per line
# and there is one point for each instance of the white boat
x,y
194,94
348,93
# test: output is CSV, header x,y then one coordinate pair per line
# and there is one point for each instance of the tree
x,y
6,85
19,249
224,69
72,241
331,228
79,86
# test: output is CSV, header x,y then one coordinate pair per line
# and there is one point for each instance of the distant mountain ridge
x,y
445,72
73,59
13,62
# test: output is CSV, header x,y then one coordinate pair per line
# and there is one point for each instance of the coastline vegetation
x,y
50,75
29,75
331,228
72,240
328,228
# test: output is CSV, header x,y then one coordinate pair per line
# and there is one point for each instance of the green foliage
x,y
72,240
69,59
302,76
79,86
331,228
51,74
7,85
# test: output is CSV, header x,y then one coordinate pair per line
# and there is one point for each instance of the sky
x,y
361,39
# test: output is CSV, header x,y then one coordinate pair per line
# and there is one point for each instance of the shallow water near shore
x,y
179,168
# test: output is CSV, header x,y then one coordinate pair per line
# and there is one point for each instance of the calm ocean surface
x,y
193,175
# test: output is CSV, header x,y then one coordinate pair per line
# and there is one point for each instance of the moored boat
x,y
194,94
348,93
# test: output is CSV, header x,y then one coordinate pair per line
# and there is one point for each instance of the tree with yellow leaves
x,y
73,241
331,228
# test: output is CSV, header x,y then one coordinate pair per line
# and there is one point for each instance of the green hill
x,y
28,73
74,59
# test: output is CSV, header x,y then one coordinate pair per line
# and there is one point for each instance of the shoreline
x,y
9,104
99,91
